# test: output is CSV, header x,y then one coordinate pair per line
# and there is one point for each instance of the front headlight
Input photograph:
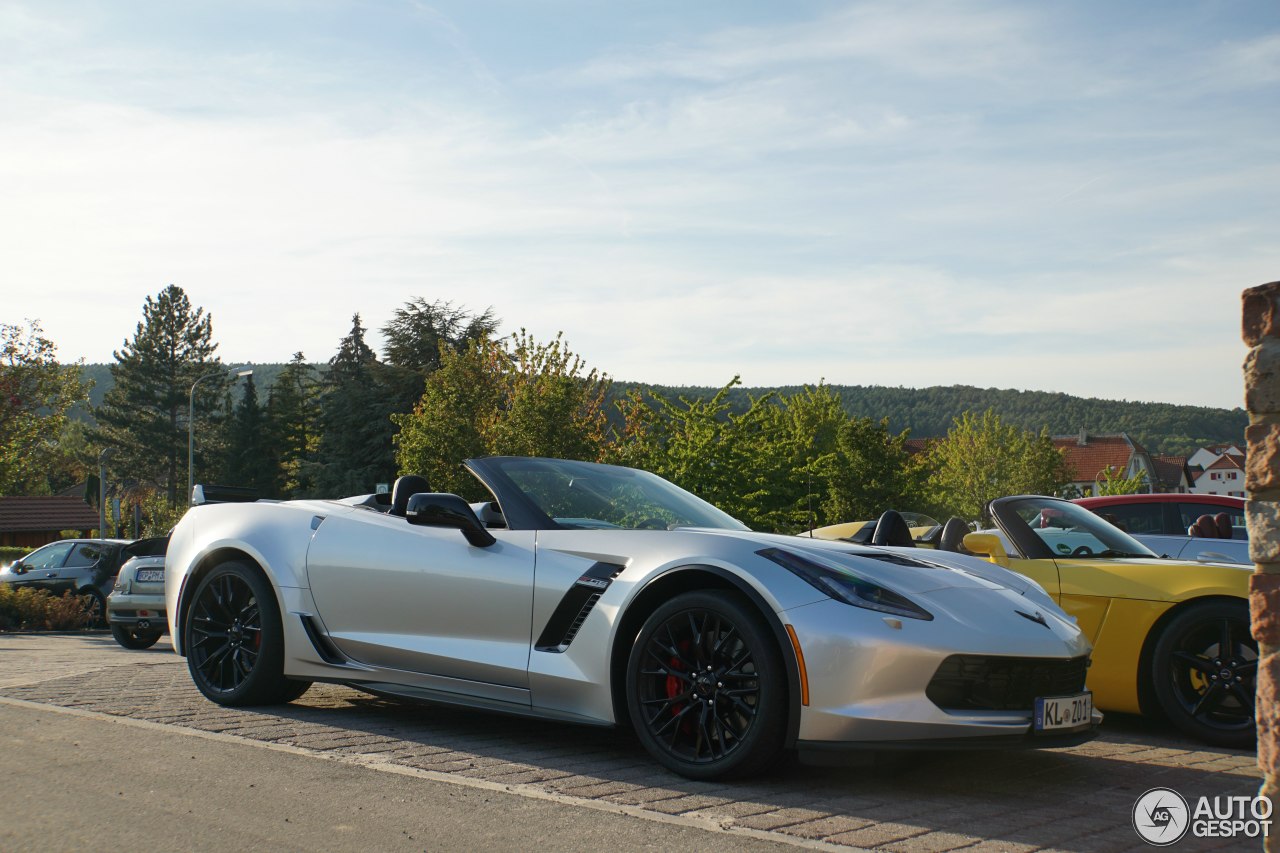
x,y
845,586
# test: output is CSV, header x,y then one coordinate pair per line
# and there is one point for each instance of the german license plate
x,y
150,575
1063,713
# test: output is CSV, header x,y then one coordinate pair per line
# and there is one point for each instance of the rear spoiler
x,y
202,494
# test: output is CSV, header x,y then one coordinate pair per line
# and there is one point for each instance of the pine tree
x,y
249,460
356,404
292,427
144,415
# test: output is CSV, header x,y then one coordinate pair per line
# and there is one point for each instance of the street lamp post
x,y
102,492
191,422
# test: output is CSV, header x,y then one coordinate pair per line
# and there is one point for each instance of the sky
x,y
1045,196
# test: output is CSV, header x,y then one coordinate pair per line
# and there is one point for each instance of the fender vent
x,y
324,646
576,606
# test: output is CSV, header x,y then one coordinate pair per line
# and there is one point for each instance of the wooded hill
x,y
928,412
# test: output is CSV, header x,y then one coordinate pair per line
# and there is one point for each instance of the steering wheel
x,y
1082,551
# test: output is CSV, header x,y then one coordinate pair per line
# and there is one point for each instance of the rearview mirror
x,y
987,545
433,509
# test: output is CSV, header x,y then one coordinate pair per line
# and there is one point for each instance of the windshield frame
x,y
523,512
1033,547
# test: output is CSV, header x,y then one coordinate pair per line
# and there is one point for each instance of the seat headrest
x,y
405,488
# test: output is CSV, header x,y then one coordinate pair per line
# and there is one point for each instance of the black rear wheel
x,y
235,639
95,606
1204,671
706,688
131,638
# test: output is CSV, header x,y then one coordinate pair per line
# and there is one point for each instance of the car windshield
x,y
586,495
1073,531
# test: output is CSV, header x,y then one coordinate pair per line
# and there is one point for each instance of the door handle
x,y
51,574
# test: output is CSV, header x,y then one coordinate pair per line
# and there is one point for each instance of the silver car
x,y
135,608
605,596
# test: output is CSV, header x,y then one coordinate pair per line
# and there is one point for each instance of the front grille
x,y
980,683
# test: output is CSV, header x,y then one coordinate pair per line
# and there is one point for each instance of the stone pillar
x,y
1262,514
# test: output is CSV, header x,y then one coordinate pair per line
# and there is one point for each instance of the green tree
x,y
553,405
292,426
515,396
793,454
871,471
452,420
1114,482
144,415
355,450
35,394
983,458
701,446
249,460
418,331
415,337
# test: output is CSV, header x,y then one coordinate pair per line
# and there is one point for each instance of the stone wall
x,y
1262,480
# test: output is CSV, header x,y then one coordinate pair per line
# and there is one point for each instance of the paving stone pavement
x,y
1076,799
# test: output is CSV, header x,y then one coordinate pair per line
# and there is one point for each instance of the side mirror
x,y
432,509
987,545
18,567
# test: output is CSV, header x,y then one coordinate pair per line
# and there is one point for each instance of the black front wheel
x,y
235,639
706,687
1204,670
131,638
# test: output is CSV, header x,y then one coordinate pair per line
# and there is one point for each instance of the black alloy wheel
x,y
235,640
1205,668
706,688
133,639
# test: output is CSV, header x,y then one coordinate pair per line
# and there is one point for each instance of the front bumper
x,y
869,674
835,754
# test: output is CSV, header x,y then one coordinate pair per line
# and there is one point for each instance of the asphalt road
x,y
105,748
93,782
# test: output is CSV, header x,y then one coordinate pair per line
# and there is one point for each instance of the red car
x,y
1186,527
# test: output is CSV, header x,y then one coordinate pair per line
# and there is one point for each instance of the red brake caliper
x,y
673,686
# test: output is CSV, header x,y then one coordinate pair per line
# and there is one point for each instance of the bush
x,y
26,609
9,553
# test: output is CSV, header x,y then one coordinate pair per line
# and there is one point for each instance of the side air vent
x,y
576,606
323,645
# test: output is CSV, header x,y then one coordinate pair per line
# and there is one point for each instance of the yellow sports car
x,y
1169,637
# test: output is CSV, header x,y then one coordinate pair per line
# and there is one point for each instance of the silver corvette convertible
x,y
605,596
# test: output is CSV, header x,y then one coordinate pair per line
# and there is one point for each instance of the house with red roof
x,y
1206,456
29,522
1224,476
1089,456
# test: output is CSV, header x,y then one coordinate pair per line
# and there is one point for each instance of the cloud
x,y
912,193
924,39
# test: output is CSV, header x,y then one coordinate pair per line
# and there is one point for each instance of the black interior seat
x,y
892,529
953,533
405,488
